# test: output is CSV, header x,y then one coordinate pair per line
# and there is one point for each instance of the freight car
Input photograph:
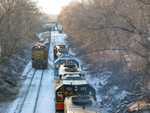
x,y
39,56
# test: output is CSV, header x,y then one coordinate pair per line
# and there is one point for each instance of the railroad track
x,y
38,91
27,91
28,101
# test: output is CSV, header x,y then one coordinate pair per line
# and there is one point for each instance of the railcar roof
x,y
88,108
75,82
66,58
73,76
66,55
59,44
39,44
72,83
63,72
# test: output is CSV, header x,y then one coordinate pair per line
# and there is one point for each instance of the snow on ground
x,y
106,94
26,69
45,103
14,106
99,81
30,101
44,34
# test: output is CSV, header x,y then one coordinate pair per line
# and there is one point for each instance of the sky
x,y
52,6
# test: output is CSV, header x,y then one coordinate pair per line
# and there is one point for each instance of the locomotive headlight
x,y
38,46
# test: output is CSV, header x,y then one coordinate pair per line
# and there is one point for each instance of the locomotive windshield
x,y
68,90
74,78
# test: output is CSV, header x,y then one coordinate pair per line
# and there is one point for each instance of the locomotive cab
x,y
60,49
39,56
71,87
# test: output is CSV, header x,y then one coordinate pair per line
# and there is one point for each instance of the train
x,y
80,104
40,55
40,51
69,69
72,91
64,59
69,87
59,28
60,49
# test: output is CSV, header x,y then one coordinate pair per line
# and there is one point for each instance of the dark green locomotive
x,y
39,56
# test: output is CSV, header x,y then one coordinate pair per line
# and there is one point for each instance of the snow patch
x,y
104,79
27,69
113,90
121,95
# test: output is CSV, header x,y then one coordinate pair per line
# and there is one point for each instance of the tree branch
x,y
145,2
112,27
117,27
105,49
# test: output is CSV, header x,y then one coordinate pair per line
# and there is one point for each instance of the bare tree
x,y
19,22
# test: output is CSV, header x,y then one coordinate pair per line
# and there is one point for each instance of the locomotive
x,y
68,87
39,56
69,68
64,59
60,49
72,91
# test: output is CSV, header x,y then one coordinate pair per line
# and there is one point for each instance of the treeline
x,y
20,20
105,30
